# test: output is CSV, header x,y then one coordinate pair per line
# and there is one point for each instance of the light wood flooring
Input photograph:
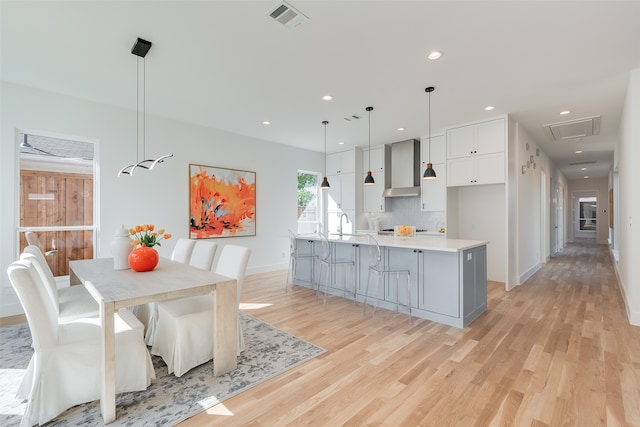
x,y
557,351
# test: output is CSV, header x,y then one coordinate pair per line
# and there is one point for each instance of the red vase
x,y
143,259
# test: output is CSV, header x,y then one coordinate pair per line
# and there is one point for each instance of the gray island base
x,y
448,276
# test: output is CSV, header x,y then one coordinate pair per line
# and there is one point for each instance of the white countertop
x,y
427,243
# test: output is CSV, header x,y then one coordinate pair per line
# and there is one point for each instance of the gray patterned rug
x,y
169,400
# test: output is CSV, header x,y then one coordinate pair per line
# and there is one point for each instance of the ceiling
x,y
228,65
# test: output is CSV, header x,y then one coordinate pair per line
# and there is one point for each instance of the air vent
x,y
287,15
573,128
353,117
582,163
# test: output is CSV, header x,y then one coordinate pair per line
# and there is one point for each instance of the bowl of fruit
x,y
404,231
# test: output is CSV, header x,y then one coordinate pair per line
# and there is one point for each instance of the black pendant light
x,y
369,179
325,182
429,173
140,49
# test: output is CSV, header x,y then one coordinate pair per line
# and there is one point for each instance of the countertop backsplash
x,y
405,211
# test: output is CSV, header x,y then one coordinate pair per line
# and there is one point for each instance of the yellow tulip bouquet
x,y
144,235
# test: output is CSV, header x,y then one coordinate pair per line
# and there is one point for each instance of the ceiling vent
x,y
287,15
573,128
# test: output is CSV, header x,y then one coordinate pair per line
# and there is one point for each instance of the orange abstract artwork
x,y
222,202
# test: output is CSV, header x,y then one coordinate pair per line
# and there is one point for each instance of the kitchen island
x,y
448,276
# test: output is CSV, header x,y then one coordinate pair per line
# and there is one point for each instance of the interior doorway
x,y
585,215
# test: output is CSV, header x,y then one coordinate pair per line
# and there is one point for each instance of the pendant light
x,y
140,49
369,179
429,173
325,183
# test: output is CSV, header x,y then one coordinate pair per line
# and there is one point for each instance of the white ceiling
x,y
228,65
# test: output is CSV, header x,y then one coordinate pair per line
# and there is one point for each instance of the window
x,y
308,205
57,198
588,210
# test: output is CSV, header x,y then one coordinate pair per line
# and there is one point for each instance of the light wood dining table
x,y
116,289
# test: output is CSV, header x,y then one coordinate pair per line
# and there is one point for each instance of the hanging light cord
x,y
430,126
369,109
148,164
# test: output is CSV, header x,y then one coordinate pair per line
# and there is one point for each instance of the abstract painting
x,y
222,202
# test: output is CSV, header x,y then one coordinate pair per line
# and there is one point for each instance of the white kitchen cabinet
x,y
372,200
341,162
476,170
438,150
433,193
342,192
477,139
475,154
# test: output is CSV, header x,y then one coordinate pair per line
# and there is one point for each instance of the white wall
x,y
581,188
161,196
481,216
628,267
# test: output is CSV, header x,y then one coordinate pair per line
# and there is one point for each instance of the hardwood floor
x,y
557,351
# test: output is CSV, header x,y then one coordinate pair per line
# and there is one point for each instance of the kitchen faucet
x,y
347,217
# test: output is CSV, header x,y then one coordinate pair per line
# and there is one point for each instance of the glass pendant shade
x,y
369,178
429,173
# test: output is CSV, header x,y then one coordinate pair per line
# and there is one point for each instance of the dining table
x,y
116,289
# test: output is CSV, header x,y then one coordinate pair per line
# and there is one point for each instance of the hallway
x,y
557,350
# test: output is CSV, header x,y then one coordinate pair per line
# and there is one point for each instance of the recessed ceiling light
x,y
435,54
327,98
565,112
266,123
489,108
583,169
400,129
578,151
586,176
341,143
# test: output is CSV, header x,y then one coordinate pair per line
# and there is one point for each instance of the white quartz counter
x,y
427,243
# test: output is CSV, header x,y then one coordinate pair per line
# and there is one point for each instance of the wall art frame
x,y
222,202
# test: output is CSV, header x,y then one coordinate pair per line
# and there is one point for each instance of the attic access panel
x,y
579,128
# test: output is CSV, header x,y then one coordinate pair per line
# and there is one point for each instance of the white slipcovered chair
x,y
203,253
72,302
148,313
64,370
184,335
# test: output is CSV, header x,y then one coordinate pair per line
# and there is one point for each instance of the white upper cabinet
x,y
433,192
475,153
372,200
477,139
438,149
341,162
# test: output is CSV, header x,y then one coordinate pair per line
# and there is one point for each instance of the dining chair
x,y
64,370
203,253
377,266
328,263
294,256
184,333
182,250
71,302
148,313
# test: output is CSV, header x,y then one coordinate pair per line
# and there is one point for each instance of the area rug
x,y
169,400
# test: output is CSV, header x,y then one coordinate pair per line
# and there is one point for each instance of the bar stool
x,y
329,262
294,256
377,266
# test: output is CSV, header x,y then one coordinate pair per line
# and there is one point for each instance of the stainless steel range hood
x,y
405,169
